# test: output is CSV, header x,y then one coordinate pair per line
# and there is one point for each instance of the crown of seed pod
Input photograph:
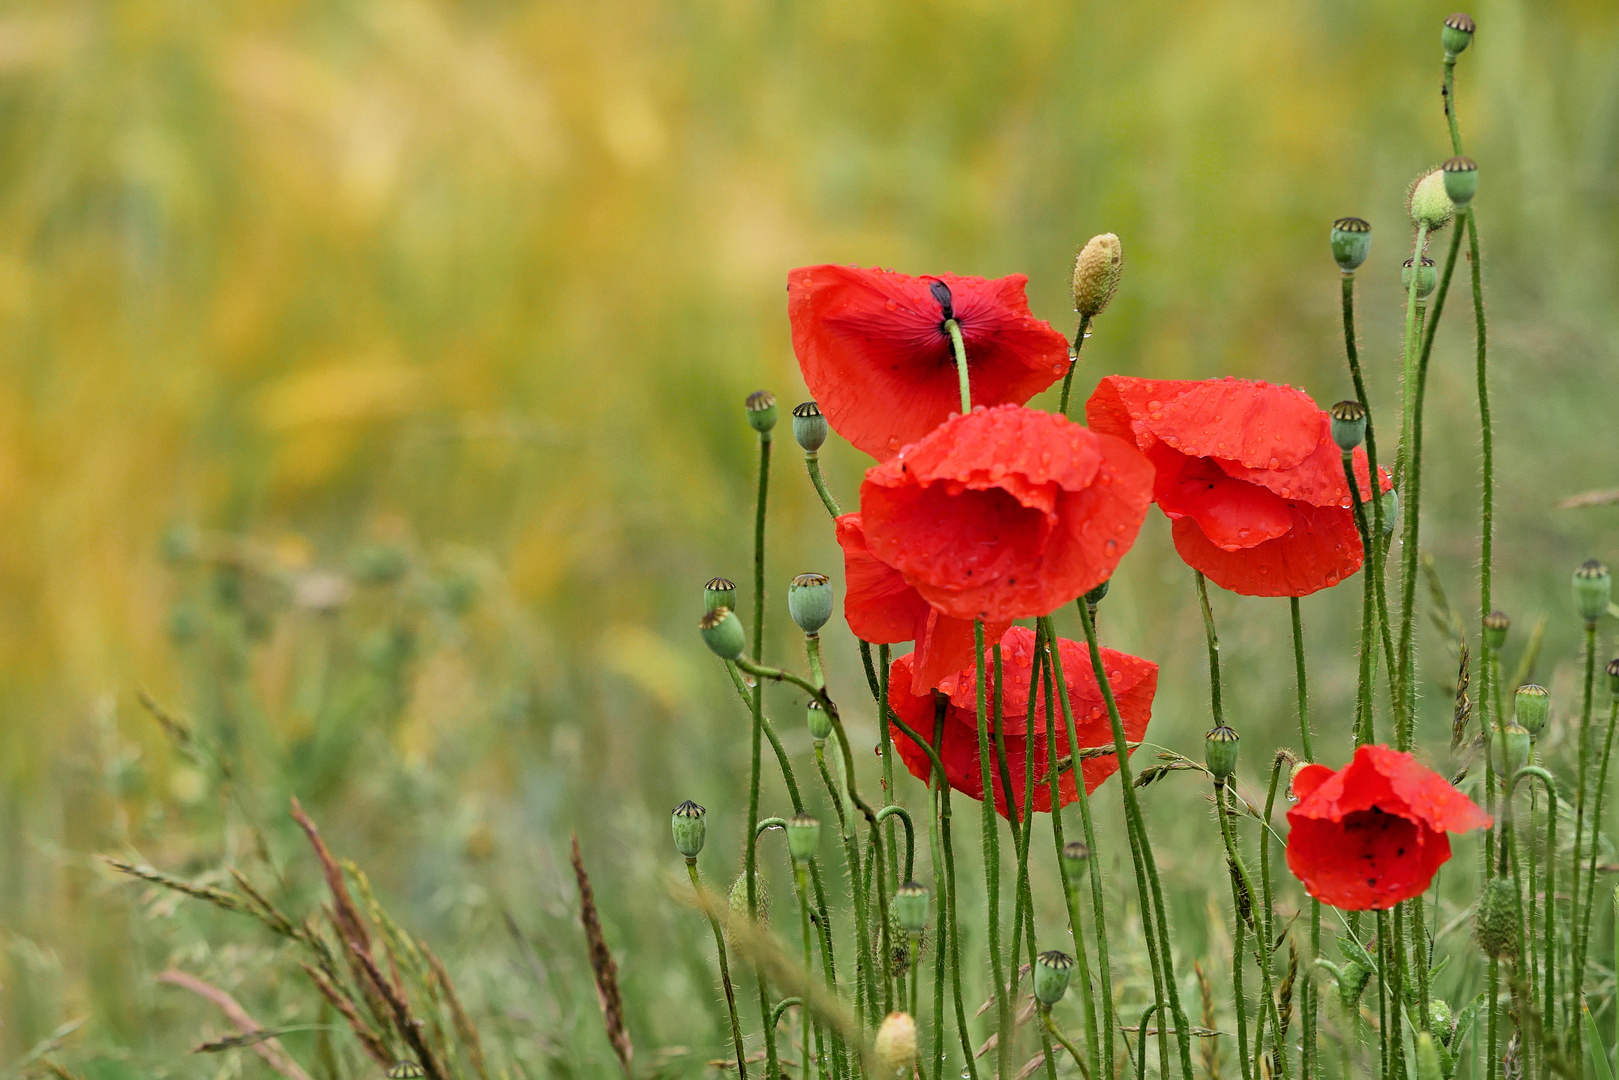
x,y
1456,35
820,725
895,1046
1515,746
1348,424
809,601
911,905
1613,676
1428,203
809,426
1427,281
1051,972
1075,858
1593,588
719,593
722,633
1461,180
803,837
761,410
1497,919
1351,243
1097,268
1496,625
1428,1067
690,826
1220,752
1531,705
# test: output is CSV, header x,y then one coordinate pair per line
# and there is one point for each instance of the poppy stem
x,y
885,746
1240,886
1584,938
812,463
725,972
1278,1034
1079,343
1213,639
949,927
1303,686
1549,993
1576,984
959,347
1051,1026
992,858
750,872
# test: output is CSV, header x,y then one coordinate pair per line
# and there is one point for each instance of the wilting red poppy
x,y
1248,473
1006,513
875,353
1134,682
1372,834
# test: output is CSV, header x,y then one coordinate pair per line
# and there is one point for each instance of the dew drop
x,y
1275,463
890,305
893,444
1111,547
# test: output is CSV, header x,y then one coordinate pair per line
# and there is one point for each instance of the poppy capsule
x,y
1531,704
761,410
1461,180
1496,625
1593,588
1348,425
719,593
911,906
690,826
1456,35
722,633
1075,858
809,601
405,1070
1427,281
809,426
1220,752
1052,970
820,725
1351,242
803,836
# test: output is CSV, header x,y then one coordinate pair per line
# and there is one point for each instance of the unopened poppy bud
x,y
761,409
1613,676
1461,180
1496,625
1428,1067
1075,858
803,837
737,898
1096,273
895,1046
911,905
1348,424
1051,972
809,601
1353,985
1427,201
722,632
1426,281
809,426
1456,35
1532,704
690,825
1497,919
820,725
719,593
1351,243
1593,588
1515,745
1220,752
1391,511
1095,596
1441,1021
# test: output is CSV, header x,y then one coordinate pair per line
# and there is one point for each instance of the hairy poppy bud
x,y
1457,35
761,409
809,601
1351,243
719,593
1442,1022
1095,596
820,725
1515,744
895,1046
803,837
1496,625
1613,676
911,905
690,825
1051,972
1353,984
1427,280
1428,1067
1532,704
1348,425
1220,752
1096,273
1075,857
1593,588
1497,919
809,426
1461,180
737,898
722,632
1391,511
1427,202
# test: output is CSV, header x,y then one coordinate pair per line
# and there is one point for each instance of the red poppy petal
x,y
1122,405
1427,795
1233,514
946,648
1320,550
1261,425
1318,479
1369,861
1307,779
878,605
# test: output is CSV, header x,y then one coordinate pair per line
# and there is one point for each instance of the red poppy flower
x,y
875,354
1006,513
1134,682
1372,834
1248,473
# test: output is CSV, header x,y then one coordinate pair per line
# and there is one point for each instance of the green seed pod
x,y
1497,919
1531,705
1456,35
911,905
803,837
1220,752
1391,511
1515,745
719,593
1427,281
1351,243
1051,972
1095,596
1075,858
809,601
1427,201
1348,425
761,409
1097,269
690,825
1496,625
1461,180
722,632
1613,677
1428,1067
1593,588
809,426
820,725
894,1048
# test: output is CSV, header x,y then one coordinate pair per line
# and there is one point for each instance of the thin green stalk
x,y
1278,1036
885,742
812,463
725,975
953,923
1353,352
1486,429
959,348
1307,996
1023,822
1387,1017
750,872
1300,679
1213,639
1408,477
1576,981
992,859
1596,818
1051,1026
1492,1059
801,882
1239,885
1079,343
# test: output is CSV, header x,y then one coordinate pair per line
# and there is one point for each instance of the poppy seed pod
x,y
895,1046
719,593
1428,1067
1461,180
1220,752
1051,972
1515,745
1593,588
1348,425
761,409
1456,35
803,837
809,426
1497,919
1075,858
722,632
1613,676
820,725
1531,705
911,905
1097,268
1496,625
1427,280
1428,203
809,601
1351,243
690,826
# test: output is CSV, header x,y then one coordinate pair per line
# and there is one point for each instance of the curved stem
x,y
1051,1026
1079,343
904,816
959,348
812,463
725,974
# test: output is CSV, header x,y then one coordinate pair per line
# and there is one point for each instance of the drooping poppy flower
x,y
1372,834
874,350
1134,682
1248,473
1006,513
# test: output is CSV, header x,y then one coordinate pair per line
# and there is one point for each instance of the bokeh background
x,y
370,392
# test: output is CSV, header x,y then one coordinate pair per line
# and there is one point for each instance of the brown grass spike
x,y
1210,1047
601,963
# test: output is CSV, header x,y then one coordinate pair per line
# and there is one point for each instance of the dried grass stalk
x,y
601,964
269,1049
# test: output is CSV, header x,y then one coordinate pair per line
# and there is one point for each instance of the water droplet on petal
x,y
893,444
1110,547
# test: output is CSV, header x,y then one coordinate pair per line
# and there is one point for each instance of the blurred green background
x,y
370,392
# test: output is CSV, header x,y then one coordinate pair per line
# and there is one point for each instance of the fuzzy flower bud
x,y
1593,588
737,898
761,409
1220,752
690,826
722,632
809,426
820,725
1096,274
1456,35
1496,625
1515,745
803,837
911,905
1497,919
1427,201
1351,243
1461,180
1348,425
1427,280
1428,1067
1532,704
719,593
895,1046
1051,972
809,601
